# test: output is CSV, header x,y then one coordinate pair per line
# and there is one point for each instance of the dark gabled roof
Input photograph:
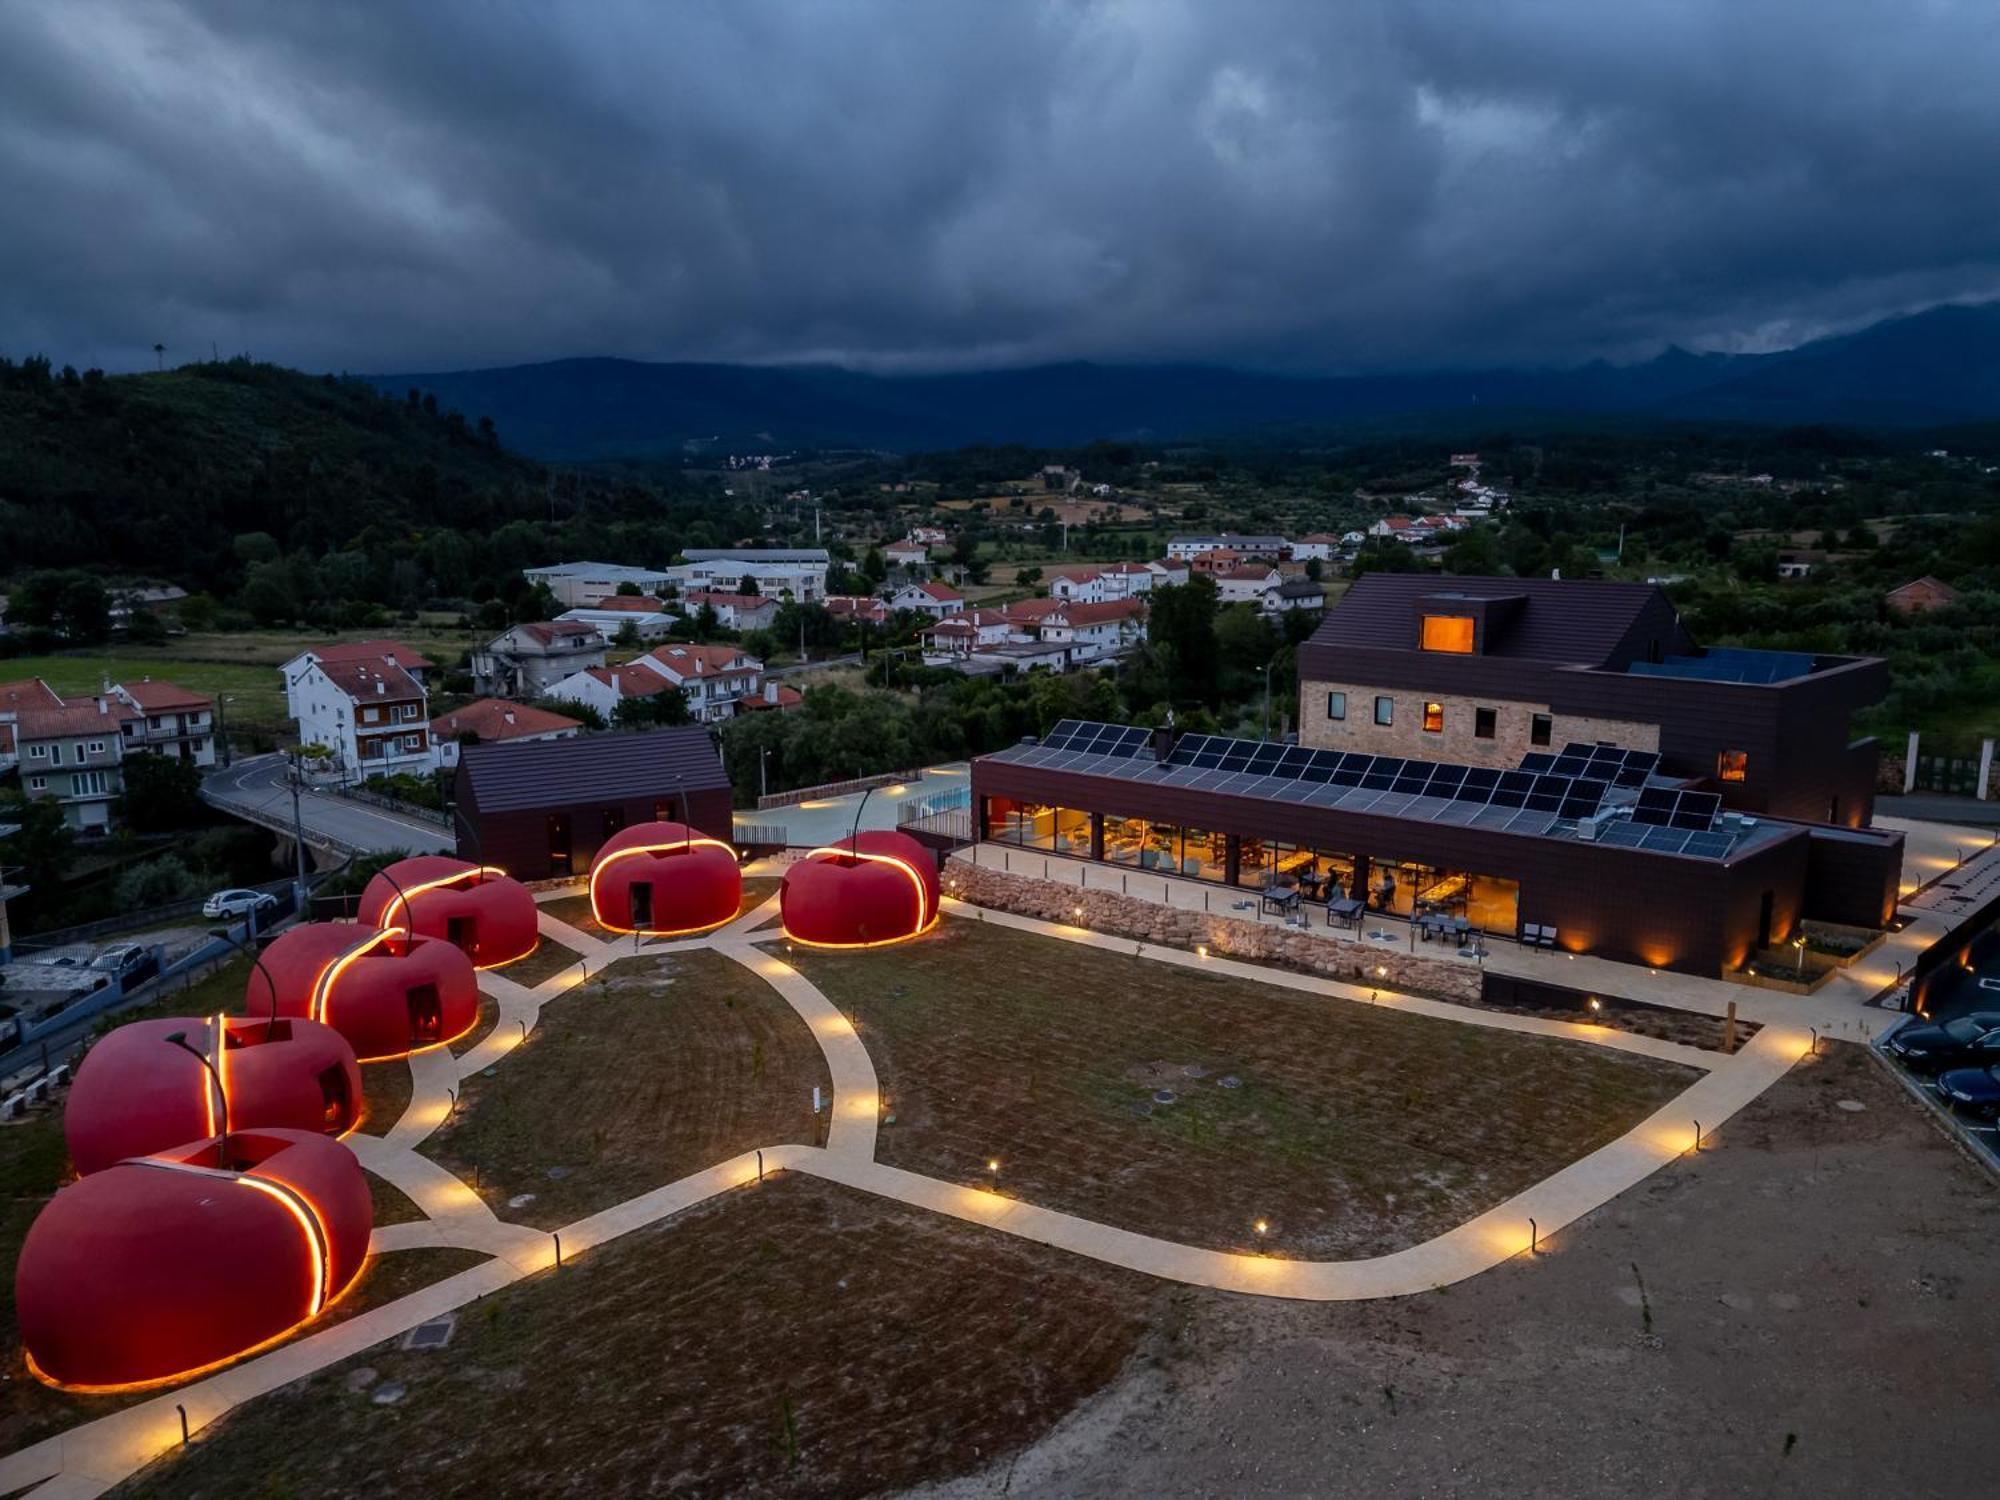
x,y
1583,622
596,768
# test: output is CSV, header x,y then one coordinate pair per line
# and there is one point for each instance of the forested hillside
x,y
203,475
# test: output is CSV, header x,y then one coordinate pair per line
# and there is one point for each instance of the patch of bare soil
x,y
1188,1104
386,1089
1806,1309
794,1339
658,1067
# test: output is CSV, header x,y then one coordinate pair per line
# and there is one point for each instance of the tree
x,y
747,585
657,710
627,637
162,793
874,568
155,882
69,602
1027,578
627,589
44,846
1182,628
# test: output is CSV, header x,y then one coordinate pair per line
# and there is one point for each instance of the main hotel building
x,y
1525,753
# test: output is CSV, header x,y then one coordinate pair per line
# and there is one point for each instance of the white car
x,y
237,903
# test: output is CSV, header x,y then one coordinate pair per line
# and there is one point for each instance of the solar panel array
x,y
1665,820
1612,763
1667,807
1121,740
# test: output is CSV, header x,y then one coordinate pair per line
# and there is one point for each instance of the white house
x,y
776,571
645,614
174,721
1189,547
934,599
908,553
930,536
581,583
1402,528
966,632
1248,583
1353,538
1094,631
711,678
366,703
604,688
526,660
1096,585
1320,545
1168,571
733,611
1295,593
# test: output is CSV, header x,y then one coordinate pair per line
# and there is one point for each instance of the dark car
x,y
1957,1043
1976,1091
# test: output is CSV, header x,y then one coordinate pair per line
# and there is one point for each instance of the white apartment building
x,y
584,583
169,719
777,571
366,703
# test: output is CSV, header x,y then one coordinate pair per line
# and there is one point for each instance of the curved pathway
x,y
89,1459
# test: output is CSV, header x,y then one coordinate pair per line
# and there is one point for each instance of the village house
x,y
733,611
1248,584
648,616
173,721
366,703
934,599
1920,595
495,720
525,661
72,753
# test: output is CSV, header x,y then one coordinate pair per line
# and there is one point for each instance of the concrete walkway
x,y
89,1459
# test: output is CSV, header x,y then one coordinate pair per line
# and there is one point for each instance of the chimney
x,y
381,687
508,715
103,707
1163,743
770,690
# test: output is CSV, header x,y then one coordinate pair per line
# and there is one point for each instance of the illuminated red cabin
x,y
664,880
138,1093
477,908
158,1268
875,887
386,992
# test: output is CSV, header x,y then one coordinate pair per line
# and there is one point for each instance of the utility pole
x,y
298,840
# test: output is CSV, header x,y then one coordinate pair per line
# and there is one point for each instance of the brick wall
x,y
1513,722
1330,954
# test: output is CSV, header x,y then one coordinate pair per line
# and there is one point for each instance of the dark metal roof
x,y
593,768
1582,622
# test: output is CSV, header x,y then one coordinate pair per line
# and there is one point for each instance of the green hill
x,y
157,474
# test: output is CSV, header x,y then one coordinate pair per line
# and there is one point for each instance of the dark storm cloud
x,y
940,183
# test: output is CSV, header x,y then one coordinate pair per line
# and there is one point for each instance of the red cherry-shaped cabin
x,y
139,1092
387,992
162,1266
477,908
878,886
664,880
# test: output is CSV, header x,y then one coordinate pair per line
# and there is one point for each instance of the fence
x,y
150,916
397,804
917,809
833,789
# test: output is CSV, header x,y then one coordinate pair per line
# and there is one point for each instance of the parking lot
x,y
1960,1007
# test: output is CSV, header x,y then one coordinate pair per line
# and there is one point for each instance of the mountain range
x,y
1931,368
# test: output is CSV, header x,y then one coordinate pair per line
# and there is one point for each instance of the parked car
x,y
1957,1043
237,903
1973,1090
128,963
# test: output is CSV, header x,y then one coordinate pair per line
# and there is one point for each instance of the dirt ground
x,y
794,1339
489,1017
1349,1130
1807,1309
656,1068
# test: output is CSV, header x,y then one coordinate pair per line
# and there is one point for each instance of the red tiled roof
x,y
940,592
345,651
28,692
788,697
956,625
636,604
372,681
154,696
80,717
498,719
732,601
1031,609
632,681
683,662
547,631
1097,614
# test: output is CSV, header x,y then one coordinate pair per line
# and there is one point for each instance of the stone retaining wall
x,y
1333,955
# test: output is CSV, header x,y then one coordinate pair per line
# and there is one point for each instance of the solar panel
x,y
1709,845
1537,760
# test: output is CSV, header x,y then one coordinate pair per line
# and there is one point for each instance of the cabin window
x,y
1483,722
1433,718
1451,633
1732,765
1541,729
1336,705
1385,710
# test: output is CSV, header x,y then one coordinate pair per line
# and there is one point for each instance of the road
x,y
255,789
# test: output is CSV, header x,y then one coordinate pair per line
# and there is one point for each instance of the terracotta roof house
x,y
733,611
366,702
525,661
491,720
712,678
1920,595
604,688
649,616
172,720
935,599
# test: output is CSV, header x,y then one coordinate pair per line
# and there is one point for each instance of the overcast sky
x,y
1333,185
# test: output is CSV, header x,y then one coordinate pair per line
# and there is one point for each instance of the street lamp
x,y
179,1039
1799,946
271,984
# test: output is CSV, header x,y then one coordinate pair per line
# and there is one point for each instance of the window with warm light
x,y
1732,765
1433,718
1448,633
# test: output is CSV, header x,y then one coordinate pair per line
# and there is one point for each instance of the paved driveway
x,y
256,789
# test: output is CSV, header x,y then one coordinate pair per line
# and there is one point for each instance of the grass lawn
x,y
1352,1130
547,960
797,1338
386,1090
243,666
658,1067
392,1204
575,910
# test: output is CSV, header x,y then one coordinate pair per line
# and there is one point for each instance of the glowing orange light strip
x,y
402,898
317,1253
323,990
606,861
925,916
